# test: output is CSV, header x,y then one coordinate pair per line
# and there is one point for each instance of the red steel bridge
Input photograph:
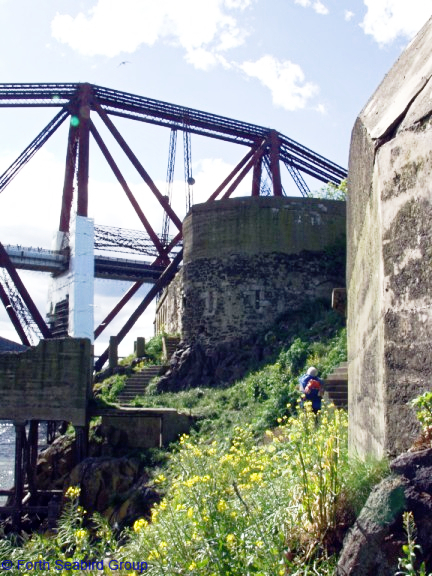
x,y
267,153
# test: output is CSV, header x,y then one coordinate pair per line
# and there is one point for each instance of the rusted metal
x,y
68,187
256,177
163,281
138,166
231,175
32,148
267,150
117,308
127,190
84,147
13,316
257,156
34,312
274,163
169,180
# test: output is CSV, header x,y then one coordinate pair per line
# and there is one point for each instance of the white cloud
x,y
320,8
348,15
317,5
321,108
387,20
202,29
285,80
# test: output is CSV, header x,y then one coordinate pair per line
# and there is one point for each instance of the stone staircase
x,y
169,346
336,386
137,383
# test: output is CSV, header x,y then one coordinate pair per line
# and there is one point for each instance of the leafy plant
x,y
333,191
423,407
410,549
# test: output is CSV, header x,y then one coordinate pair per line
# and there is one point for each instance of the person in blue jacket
x,y
312,388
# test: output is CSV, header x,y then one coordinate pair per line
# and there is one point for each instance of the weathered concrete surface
x,y
144,427
249,260
389,273
51,381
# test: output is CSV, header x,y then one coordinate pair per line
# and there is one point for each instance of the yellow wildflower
x,y
222,506
230,540
139,524
73,492
80,534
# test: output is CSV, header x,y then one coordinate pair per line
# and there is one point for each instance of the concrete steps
x,y
137,383
336,386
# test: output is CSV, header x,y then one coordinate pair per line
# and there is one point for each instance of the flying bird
x,y
123,63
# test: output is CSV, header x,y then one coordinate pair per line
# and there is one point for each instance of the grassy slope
x,y
258,488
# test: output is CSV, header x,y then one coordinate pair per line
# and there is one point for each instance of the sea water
x,y
7,453
7,457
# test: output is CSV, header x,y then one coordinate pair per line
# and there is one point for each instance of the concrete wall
x,y
51,381
389,272
147,427
248,260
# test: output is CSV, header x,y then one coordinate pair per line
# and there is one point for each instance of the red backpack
x,y
313,386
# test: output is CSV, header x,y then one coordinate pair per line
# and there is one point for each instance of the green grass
x,y
261,486
264,394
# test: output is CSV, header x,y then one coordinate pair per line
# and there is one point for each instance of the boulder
x,y
374,544
114,487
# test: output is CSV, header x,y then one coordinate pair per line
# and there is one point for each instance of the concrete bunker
x,y
249,260
389,271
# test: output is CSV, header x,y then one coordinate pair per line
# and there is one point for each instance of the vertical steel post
x,y
274,162
256,178
33,437
19,472
84,147
71,157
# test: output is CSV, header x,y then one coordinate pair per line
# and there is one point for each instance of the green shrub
x,y
423,407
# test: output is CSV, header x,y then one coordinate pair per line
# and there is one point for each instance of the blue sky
x,y
303,67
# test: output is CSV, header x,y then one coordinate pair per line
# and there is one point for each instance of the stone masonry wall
x,y
51,381
169,309
249,260
389,270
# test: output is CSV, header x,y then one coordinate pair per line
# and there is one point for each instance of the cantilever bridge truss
x,y
267,154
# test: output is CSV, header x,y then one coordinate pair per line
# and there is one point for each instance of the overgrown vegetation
x,y
261,487
333,191
110,388
267,393
232,506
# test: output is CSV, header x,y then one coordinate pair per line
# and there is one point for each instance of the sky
x,y
303,67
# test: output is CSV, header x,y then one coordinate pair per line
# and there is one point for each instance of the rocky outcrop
x,y
374,544
112,483
192,365
115,487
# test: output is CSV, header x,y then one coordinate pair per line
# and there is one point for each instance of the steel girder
x,y
265,146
